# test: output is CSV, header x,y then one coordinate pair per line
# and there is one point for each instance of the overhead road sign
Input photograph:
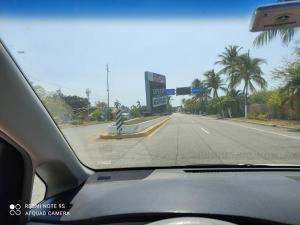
x,y
183,91
170,91
196,90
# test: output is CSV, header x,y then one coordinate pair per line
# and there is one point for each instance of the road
x,y
188,139
185,139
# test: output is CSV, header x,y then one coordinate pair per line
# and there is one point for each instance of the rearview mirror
x,y
276,16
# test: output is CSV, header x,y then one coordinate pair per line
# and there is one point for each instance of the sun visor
x,y
276,16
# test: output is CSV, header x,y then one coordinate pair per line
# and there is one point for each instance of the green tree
x,y
200,99
248,71
97,114
214,83
101,105
75,102
135,111
291,76
274,103
259,97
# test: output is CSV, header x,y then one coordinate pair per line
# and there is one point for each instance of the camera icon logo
x,y
15,209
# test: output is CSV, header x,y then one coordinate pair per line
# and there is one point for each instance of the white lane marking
x,y
264,131
204,130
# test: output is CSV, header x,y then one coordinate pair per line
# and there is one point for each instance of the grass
x,y
140,120
291,124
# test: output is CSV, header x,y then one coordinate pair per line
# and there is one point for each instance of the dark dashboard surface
x,y
273,196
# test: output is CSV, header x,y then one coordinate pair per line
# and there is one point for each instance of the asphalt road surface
x,y
188,139
184,140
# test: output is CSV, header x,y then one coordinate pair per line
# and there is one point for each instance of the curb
x,y
143,133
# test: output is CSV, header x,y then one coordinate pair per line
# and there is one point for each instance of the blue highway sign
x,y
170,92
196,90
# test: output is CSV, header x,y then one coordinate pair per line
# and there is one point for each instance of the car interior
x,y
32,144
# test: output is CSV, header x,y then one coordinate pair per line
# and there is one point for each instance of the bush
x,y
77,122
263,116
97,115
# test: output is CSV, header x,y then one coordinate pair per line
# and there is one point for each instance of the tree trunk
x,y
229,112
246,102
222,111
298,106
246,106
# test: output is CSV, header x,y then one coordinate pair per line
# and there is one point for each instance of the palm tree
x,y
214,83
228,59
233,101
248,71
117,104
265,37
201,99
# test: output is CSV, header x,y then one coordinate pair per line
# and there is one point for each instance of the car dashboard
x,y
141,196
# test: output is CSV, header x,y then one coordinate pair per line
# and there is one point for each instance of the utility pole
x,y
88,92
107,84
107,88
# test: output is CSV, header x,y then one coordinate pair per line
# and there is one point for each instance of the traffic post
x,y
119,121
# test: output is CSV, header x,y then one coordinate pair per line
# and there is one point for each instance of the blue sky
x,y
70,53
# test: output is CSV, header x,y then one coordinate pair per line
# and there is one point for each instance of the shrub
x,y
77,122
97,114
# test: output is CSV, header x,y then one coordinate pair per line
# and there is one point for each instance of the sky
x,y
68,48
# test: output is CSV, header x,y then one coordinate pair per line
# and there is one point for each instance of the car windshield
x,y
160,83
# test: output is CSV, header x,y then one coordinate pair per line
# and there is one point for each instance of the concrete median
x,y
145,132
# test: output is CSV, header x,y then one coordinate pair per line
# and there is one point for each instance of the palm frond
x,y
265,37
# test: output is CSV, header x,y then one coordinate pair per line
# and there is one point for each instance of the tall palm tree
x,y
117,104
228,59
214,83
248,71
286,35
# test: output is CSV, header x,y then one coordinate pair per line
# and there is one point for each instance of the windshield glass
x,y
160,83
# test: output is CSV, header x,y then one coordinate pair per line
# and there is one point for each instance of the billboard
x,y
155,92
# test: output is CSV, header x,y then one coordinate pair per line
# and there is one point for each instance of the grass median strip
x,y
143,133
